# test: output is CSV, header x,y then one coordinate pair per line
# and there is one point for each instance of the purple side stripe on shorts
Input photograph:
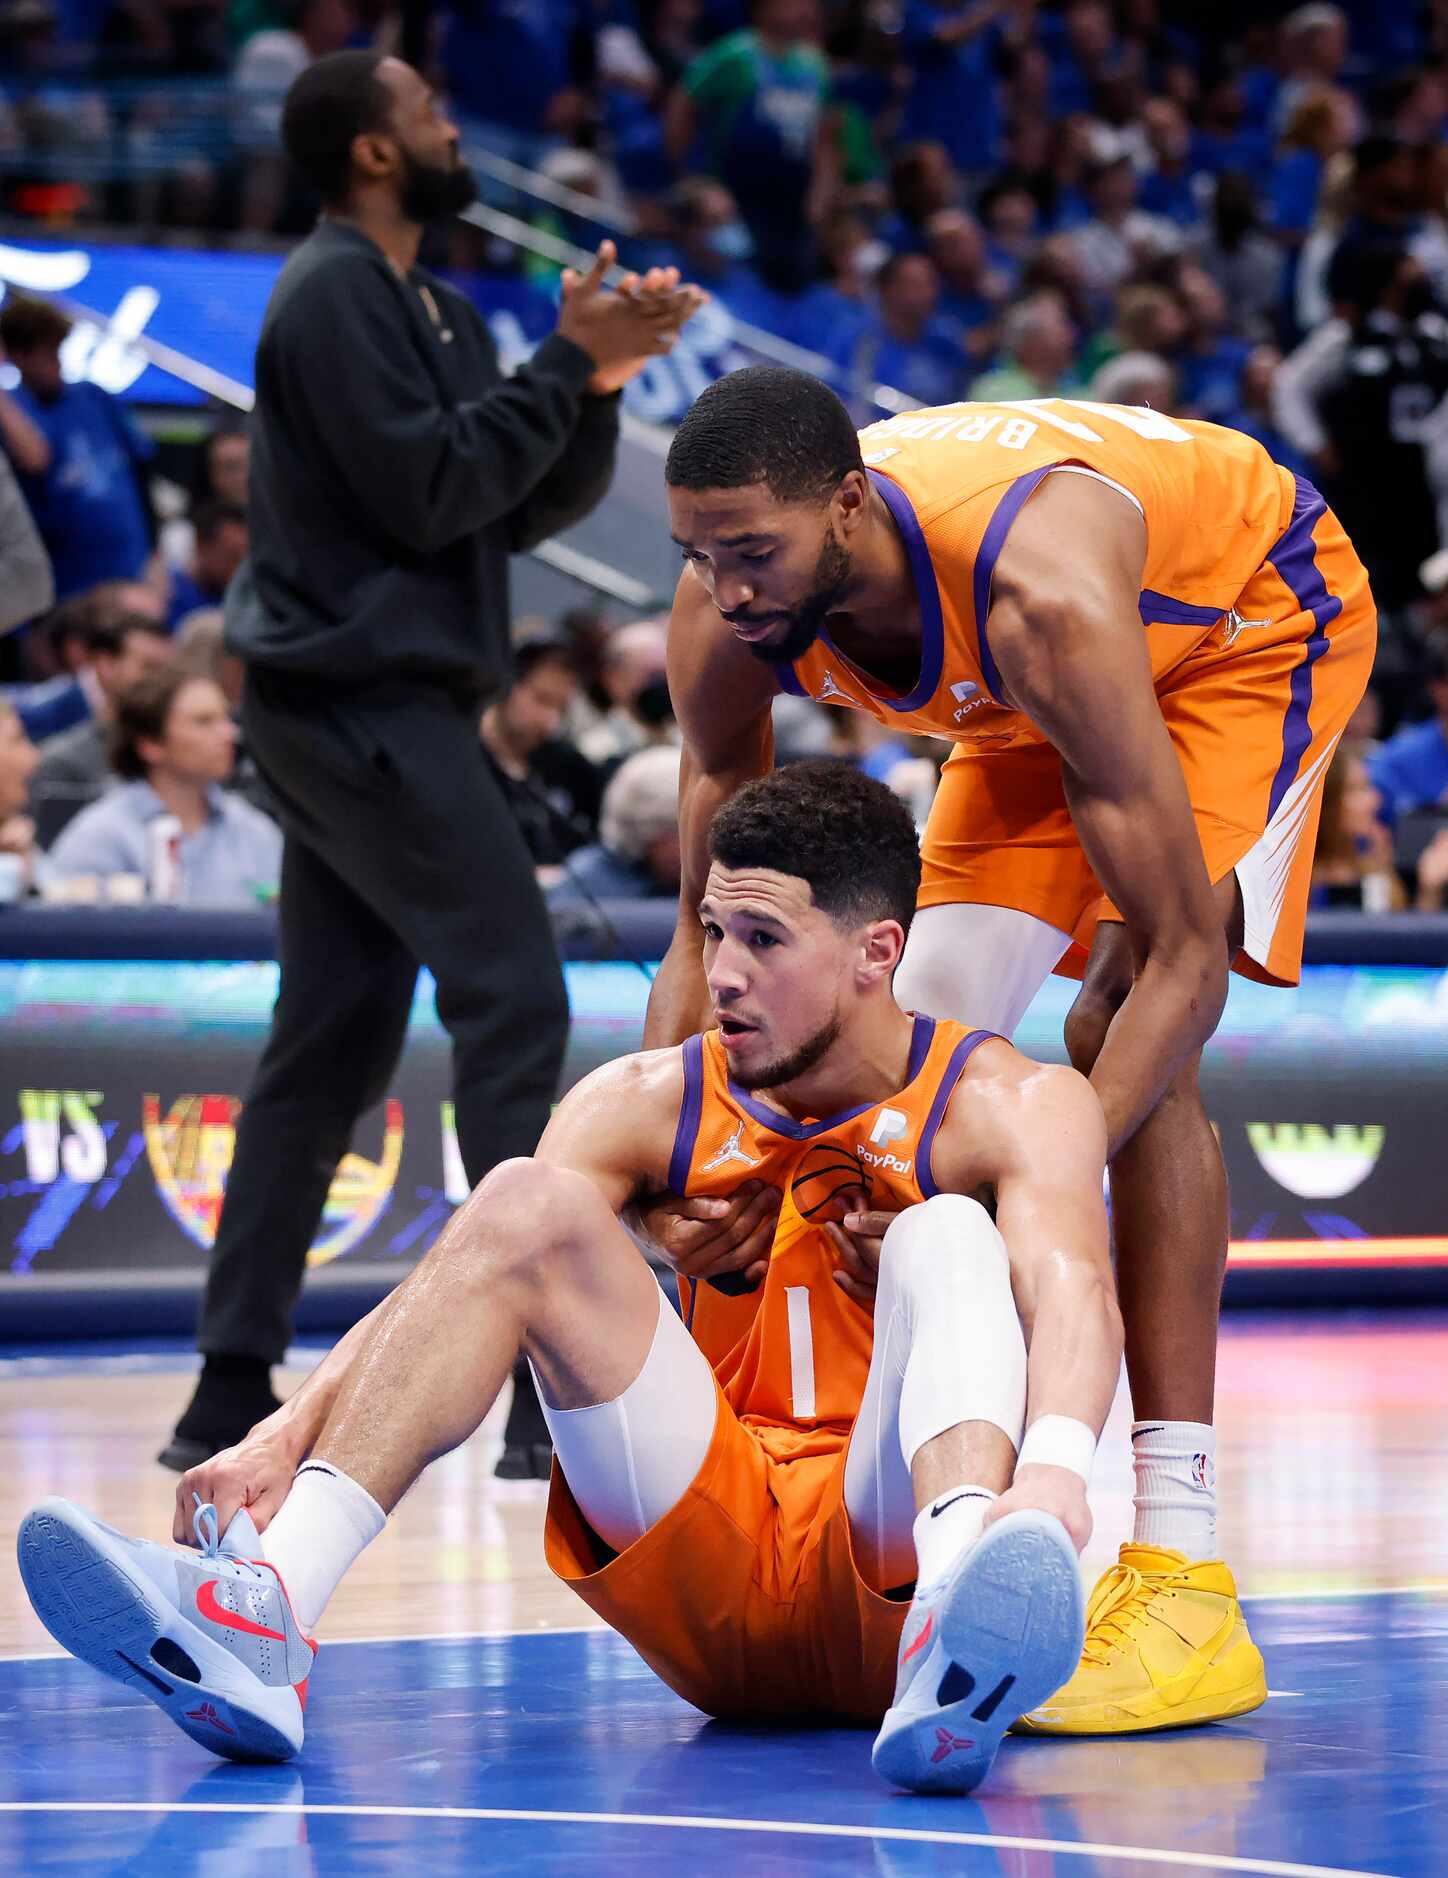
x,y
1295,558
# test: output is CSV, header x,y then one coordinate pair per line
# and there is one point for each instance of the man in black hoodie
x,y
393,472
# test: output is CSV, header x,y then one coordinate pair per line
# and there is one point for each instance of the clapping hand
x,y
624,326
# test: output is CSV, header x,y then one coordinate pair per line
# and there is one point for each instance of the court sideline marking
x,y
1193,1861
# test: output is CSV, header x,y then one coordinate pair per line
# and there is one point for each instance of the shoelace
x,y
208,1538
1118,1602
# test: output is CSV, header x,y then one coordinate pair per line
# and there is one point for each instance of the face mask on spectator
x,y
731,241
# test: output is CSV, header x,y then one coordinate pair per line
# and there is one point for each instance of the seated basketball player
x,y
748,1490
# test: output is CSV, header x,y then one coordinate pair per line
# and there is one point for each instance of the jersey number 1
x,y
801,1353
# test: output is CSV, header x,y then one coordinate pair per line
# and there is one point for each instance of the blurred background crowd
x,y
1235,213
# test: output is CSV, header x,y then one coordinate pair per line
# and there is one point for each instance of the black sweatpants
x,y
399,850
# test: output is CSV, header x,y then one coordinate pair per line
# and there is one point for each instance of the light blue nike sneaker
x,y
992,1638
209,1637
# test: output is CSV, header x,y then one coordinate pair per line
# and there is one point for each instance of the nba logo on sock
x,y
1202,1472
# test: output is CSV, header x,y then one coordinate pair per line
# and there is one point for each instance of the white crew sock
x,y
946,1528
325,1522
1176,1486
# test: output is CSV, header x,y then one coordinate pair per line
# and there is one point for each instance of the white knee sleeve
x,y
628,1461
945,1268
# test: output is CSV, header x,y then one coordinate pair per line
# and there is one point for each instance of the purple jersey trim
x,y
994,539
959,1057
690,1110
807,1131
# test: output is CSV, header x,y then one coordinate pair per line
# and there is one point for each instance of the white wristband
x,y
1059,1441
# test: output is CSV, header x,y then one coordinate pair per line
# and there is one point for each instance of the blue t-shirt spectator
x,y
49,707
506,60
933,368
88,505
953,97
1175,198
1207,382
1411,769
1292,190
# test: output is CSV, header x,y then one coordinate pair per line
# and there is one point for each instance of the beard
x,y
799,1062
432,191
833,572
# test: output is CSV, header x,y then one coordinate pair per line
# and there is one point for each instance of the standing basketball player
x,y
1145,639
747,1493
394,471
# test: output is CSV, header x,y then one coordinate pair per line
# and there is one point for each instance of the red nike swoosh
x,y
919,1643
207,1605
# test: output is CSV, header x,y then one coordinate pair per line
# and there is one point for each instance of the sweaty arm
x,y
722,698
1035,1132
1066,634
424,472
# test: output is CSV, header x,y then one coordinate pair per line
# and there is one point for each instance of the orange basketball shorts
x,y
744,1597
1254,712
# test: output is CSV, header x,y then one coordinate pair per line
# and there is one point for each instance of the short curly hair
x,y
765,424
829,824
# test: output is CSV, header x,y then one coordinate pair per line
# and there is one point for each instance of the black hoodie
x,y
394,470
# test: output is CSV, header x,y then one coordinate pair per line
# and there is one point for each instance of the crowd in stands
x,y
1235,213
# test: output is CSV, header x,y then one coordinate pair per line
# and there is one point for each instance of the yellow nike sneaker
x,y
1166,1646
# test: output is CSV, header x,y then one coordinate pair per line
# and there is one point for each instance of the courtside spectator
x,y
224,466
174,747
553,791
1352,865
636,856
633,674
1411,768
75,767
221,543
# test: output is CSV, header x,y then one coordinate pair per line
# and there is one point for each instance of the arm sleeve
x,y
1301,379
27,586
577,483
425,473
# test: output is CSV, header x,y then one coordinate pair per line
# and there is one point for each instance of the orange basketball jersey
x,y
1215,504
746,1596
792,1356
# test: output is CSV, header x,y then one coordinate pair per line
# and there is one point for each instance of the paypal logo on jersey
x,y
968,696
890,1125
